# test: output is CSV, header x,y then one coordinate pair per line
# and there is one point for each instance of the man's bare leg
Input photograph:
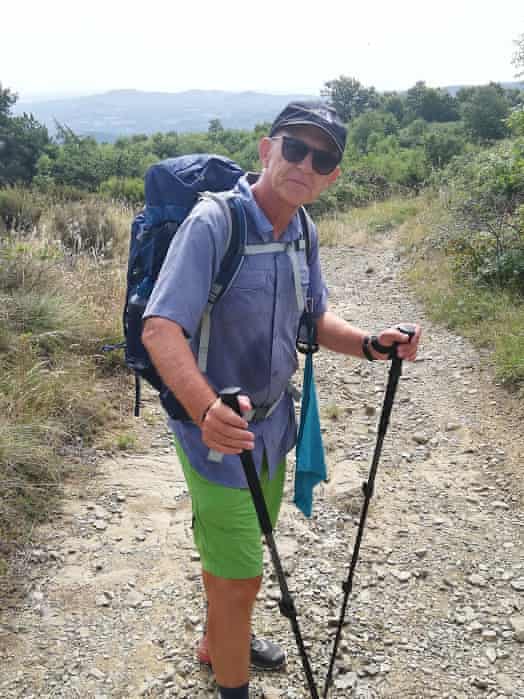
x,y
230,606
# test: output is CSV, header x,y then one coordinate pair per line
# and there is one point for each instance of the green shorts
x,y
225,524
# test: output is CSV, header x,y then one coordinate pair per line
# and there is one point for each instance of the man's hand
x,y
225,431
407,347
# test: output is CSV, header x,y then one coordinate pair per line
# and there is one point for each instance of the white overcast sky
x,y
58,46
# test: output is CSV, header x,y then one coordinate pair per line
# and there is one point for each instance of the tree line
x,y
401,137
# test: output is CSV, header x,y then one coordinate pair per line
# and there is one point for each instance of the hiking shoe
x,y
265,655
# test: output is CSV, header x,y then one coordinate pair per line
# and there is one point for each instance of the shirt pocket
x,y
247,297
250,280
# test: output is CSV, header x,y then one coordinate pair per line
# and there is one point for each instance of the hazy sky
x,y
54,46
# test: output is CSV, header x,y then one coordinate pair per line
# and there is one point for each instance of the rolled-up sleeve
x,y
192,262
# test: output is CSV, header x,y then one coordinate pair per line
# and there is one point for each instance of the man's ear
x,y
264,148
334,175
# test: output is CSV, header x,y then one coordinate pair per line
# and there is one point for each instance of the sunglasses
x,y
295,151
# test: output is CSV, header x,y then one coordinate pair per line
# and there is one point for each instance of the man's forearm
x,y
174,361
338,335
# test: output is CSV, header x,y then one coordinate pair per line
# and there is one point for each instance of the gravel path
x,y
111,603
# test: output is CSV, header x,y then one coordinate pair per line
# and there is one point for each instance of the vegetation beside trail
x,y
61,286
469,245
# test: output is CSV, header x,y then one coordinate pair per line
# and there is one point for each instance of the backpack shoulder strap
x,y
307,333
229,266
305,224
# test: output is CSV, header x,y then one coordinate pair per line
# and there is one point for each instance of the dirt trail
x,y
112,602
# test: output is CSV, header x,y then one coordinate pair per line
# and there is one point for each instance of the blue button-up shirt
x,y
253,325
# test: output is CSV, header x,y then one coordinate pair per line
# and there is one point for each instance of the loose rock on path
x,y
112,603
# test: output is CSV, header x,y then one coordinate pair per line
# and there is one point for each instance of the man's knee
x,y
237,593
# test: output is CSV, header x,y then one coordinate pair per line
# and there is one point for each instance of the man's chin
x,y
296,195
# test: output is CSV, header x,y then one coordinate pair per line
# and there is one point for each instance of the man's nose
x,y
307,164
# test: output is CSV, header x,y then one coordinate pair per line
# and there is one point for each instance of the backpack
x,y
172,188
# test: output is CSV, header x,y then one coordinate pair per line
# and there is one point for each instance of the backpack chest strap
x,y
291,249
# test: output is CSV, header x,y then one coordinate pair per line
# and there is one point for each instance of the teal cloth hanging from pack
x,y
311,464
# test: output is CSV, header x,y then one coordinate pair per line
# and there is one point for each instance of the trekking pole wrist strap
x,y
389,350
365,349
379,347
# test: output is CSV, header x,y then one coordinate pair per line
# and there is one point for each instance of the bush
x,y
20,208
126,189
442,142
485,195
88,226
56,394
353,188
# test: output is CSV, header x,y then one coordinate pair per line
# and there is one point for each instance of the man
x,y
252,345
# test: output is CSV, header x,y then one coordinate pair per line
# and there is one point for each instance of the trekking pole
x,y
229,396
395,371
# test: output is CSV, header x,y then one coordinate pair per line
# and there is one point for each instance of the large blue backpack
x,y
172,188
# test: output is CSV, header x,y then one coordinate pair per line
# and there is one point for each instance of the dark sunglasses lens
x,y
323,162
293,150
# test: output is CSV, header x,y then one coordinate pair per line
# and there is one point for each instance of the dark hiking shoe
x,y
265,655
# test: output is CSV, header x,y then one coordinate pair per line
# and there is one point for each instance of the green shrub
x,y
126,189
485,194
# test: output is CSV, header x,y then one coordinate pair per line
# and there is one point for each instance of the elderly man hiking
x,y
251,345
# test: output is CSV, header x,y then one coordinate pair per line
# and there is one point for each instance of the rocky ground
x,y
109,594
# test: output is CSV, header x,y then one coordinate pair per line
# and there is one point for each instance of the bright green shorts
x,y
225,525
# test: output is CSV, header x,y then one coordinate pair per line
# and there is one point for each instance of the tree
x,y
373,122
165,145
431,104
518,57
442,142
349,97
485,113
215,131
7,100
22,142
394,103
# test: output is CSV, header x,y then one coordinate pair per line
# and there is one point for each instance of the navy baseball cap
x,y
317,114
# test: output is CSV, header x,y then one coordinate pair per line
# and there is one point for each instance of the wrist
x,y
207,409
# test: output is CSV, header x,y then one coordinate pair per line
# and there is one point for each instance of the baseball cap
x,y
317,114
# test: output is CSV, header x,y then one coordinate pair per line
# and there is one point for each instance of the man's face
x,y
297,183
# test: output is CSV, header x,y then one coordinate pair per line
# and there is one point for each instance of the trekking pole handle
x,y
407,329
229,396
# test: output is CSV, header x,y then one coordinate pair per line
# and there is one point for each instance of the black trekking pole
x,y
395,371
229,396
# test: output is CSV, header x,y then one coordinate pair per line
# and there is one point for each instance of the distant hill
x,y
453,89
125,112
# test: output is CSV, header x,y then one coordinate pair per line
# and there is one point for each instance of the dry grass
x,y
58,392
355,227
